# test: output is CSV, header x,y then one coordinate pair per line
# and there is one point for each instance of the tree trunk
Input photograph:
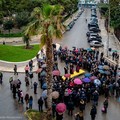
x,y
27,44
49,62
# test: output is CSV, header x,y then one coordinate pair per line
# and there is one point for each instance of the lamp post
x,y
108,28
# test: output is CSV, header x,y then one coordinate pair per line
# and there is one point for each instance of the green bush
x,y
11,35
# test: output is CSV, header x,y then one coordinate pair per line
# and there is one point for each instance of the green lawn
x,y
17,53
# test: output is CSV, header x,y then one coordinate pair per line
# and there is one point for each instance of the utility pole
x,y
108,29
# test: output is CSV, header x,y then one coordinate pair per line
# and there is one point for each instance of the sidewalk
x,y
113,42
8,66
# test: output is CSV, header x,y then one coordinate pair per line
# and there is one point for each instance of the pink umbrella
x,y
56,72
77,81
67,75
93,78
61,108
76,50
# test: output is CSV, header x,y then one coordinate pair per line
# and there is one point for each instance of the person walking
x,y
53,109
105,104
15,70
93,112
1,77
26,100
21,96
31,64
40,104
95,97
27,70
10,81
30,102
26,81
35,87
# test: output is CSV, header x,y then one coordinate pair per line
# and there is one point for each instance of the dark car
x,y
71,24
88,33
93,24
94,39
96,35
94,29
93,20
93,15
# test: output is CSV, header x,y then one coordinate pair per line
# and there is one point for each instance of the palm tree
x,y
26,40
47,23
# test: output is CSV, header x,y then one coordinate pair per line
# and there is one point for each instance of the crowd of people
x,y
71,94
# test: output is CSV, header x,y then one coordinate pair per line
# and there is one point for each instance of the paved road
x,y
77,35
11,108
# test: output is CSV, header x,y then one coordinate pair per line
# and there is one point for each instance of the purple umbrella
x,y
86,80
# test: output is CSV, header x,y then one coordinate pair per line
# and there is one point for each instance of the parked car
x,y
93,20
96,35
94,39
93,15
88,33
92,24
94,29
71,24
95,44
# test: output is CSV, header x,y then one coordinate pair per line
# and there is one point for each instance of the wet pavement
x,y
10,109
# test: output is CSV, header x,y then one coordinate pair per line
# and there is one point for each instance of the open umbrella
x,y
61,108
118,73
55,94
56,72
67,75
43,66
89,49
71,84
97,82
38,70
87,75
77,81
44,94
15,82
106,67
44,86
107,72
100,67
76,50
93,78
43,74
86,80
101,71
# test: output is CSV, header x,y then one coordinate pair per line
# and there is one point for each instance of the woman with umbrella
x,y
60,108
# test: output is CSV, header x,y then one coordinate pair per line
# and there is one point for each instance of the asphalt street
x,y
10,109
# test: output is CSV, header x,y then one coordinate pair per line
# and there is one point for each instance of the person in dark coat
x,y
14,91
105,104
53,109
70,107
40,104
59,116
93,112
35,87
82,105
66,70
26,100
95,97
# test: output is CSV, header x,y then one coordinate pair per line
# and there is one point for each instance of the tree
x,y
47,23
8,25
26,40
22,19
